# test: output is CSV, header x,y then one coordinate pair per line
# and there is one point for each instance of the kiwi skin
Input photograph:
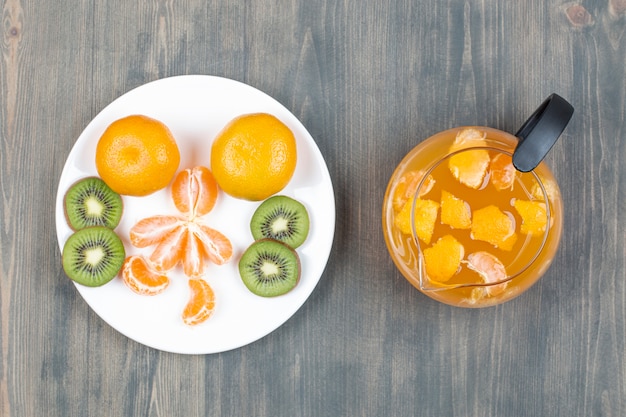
x,y
250,277
82,272
73,204
293,214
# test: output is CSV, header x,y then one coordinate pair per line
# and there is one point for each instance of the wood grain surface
x,y
369,79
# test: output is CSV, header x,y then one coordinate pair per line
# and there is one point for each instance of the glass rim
x,y
418,243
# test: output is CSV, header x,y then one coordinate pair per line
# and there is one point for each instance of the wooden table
x,y
369,80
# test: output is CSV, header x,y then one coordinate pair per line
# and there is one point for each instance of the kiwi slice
x,y
281,218
90,202
93,256
269,268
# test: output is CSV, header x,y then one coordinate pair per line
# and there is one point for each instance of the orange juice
x,y
463,225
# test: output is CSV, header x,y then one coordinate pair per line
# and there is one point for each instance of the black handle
x,y
540,132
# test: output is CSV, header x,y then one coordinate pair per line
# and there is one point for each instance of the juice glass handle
x,y
540,132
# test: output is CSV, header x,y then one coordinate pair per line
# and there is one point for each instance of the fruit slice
x,y
469,167
140,277
455,212
406,187
171,250
93,256
490,269
201,302
194,191
493,226
502,172
281,218
90,202
214,245
425,217
468,138
152,230
443,259
269,268
534,216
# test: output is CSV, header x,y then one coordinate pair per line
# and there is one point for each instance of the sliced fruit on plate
x,y
201,302
281,218
269,268
141,277
90,202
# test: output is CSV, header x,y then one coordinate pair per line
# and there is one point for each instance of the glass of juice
x,y
464,225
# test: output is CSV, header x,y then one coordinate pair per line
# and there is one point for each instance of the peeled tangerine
x,y
406,187
534,217
443,259
425,217
491,270
493,226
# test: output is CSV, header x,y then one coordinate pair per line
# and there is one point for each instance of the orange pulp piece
x,y
137,155
534,216
502,172
443,259
201,302
194,191
454,211
493,226
424,217
140,277
469,167
407,186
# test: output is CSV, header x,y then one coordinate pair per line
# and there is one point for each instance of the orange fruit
x,y
194,191
469,167
140,277
170,250
503,172
254,156
493,226
406,187
201,302
454,211
443,259
425,216
490,269
213,245
534,216
137,155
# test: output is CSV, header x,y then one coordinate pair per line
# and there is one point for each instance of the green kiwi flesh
x,y
269,268
90,202
281,218
93,256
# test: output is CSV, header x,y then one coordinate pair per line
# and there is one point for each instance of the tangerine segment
x,y
213,244
490,269
470,167
455,212
193,257
137,155
493,226
406,187
194,191
443,259
503,172
140,277
425,217
534,216
171,250
152,230
201,302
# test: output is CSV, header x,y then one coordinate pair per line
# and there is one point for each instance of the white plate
x,y
195,108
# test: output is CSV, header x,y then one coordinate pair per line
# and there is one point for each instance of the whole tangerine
x,y
137,155
254,156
